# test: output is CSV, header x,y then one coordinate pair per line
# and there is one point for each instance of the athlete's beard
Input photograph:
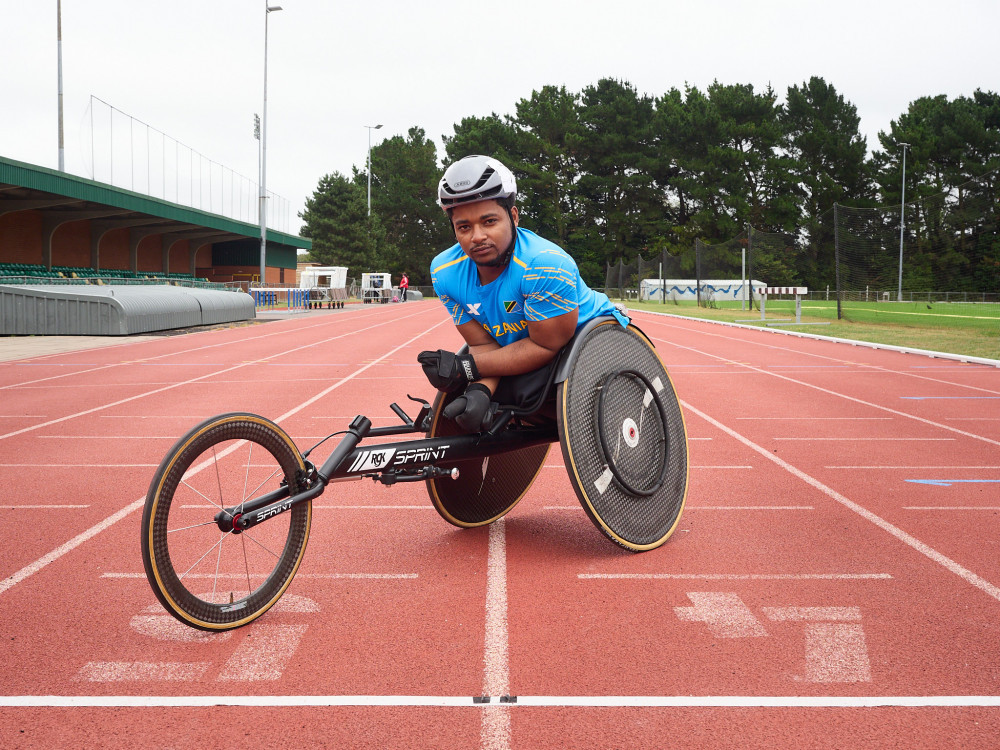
x,y
502,259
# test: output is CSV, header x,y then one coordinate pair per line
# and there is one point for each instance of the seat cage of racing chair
x,y
558,371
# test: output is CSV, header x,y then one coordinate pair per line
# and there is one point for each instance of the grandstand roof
x,y
30,187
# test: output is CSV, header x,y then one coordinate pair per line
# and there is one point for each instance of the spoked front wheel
x,y
206,577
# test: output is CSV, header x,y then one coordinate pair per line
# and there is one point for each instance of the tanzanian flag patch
x,y
511,306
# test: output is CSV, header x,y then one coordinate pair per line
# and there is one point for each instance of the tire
x,y
207,578
487,488
623,438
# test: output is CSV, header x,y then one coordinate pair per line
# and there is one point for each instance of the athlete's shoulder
x,y
533,249
448,259
538,254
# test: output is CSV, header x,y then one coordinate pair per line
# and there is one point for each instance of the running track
x,y
833,582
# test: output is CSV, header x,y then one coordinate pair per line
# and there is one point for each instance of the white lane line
x,y
349,507
951,507
495,728
78,466
958,468
323,576
946,562
869,439
870,367
693,466
749,507
819,419
107,437
114,518
40,507
372,507
133,417
29,570
705,507
146,360
464,701
215,374
738,576
843,395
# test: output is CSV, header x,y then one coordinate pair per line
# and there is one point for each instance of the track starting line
x,y
415,701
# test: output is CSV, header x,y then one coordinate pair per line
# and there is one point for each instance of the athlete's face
x,y
483,230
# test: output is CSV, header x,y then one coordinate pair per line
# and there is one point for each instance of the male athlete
x,y
516,298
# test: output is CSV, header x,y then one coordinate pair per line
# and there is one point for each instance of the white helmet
x,y
475,178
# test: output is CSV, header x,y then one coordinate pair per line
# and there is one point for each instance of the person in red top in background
x,y
404,284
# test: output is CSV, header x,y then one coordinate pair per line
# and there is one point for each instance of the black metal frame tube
x,y
348,461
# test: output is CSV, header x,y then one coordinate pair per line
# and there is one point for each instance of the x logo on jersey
x,y
474,308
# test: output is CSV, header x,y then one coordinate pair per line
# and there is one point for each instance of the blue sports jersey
x,y
541,281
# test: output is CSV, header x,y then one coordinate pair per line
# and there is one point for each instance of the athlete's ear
x,y
513,214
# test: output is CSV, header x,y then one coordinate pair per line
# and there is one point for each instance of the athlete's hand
x,y
447,371
474,410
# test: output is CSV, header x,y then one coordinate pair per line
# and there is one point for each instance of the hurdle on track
x,y
278,298
798,291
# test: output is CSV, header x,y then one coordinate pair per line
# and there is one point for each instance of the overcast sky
x,y
194,69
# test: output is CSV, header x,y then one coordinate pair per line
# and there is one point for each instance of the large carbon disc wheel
x,y
487,488
205,577
623,438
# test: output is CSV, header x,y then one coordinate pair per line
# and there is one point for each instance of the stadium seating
x,y
74,274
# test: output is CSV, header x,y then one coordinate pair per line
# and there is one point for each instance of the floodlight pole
x,y
62,149
902,210
370,129
268,9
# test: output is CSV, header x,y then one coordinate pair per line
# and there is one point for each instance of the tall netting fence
x,y
730,272
625,280
720,271
716,275
939,251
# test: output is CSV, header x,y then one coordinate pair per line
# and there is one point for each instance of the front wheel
x,y
205,577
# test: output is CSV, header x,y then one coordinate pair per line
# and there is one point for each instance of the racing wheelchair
x,y
228,512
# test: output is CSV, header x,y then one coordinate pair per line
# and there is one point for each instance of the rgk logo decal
x,y
373,459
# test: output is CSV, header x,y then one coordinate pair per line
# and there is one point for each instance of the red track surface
x,y
812,596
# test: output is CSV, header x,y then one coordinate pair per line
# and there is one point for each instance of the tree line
x,y
608,173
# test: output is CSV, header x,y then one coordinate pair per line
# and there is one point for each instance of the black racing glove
x,y
474,410
447,371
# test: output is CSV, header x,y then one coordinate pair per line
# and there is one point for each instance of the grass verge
x,y
970,330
